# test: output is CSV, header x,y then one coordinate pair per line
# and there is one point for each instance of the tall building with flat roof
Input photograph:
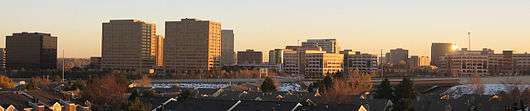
x,y
249,57
438,50
418,61
466,63
130,45
31,51
310,61
292,59
227,52
95,63
160,51
317,64
398,56
328,45
521,63
362,62
3,59
276,57
192,45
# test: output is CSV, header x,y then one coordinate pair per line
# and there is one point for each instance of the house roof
x,y
17,100
199,105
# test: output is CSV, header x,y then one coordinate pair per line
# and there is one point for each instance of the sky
x,y
363,25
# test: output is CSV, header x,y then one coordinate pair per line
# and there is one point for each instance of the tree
x,y
268,85
405,89
106,91
478,87
135,104
185,95
384,90
327,83
143,82
405,94
6,82
37,83
345,88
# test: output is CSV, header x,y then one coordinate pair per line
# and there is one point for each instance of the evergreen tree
x,y
405,89
404,95
185,95
135,104
327,83
384,90
268,85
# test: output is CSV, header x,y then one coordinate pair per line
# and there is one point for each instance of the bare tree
x,y
477,84
344,89
106,91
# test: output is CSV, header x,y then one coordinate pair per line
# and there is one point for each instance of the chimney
x,y
71,107
84,108
40,108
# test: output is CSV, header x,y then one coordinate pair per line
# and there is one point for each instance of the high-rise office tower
x,y
328,45
192,46
249,57
438,50
3,59
227,49
160,51
31,51
292,60
276,57
130,45
398,56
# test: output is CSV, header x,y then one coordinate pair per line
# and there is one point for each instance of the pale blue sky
x,y
365,25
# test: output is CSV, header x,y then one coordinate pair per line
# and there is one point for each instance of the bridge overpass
x,y
417,81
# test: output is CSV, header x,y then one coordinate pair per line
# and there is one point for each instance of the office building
x,y
129,45
317,63
249,57
440,49
276,57
95,63
310,61
521,63
485,63
292,60
31,51
160,51
465,63
361,62
328,45
418,61
398,56
3,59
227,48
192,46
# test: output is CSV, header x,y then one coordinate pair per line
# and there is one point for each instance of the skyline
x,y
276,24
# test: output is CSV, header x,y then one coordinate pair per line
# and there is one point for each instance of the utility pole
x,y
469,38
62,74
381,65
